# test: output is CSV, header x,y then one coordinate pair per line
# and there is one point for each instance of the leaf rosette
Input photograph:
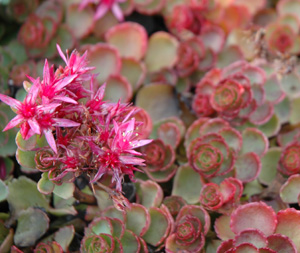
x,y
289,163
191,226
159,159
210,155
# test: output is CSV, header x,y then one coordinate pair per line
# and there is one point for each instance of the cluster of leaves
x,y
182,139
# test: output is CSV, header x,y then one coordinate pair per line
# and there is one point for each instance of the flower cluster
x,y
84,132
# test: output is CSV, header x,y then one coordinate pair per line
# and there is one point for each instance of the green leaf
x,y
161,52
159,227
26,158
129,38
290,190
158,100
137,219
3,191
150,193
187,184
64,190
295,116
254,141
269,164
64,236
23,193
32,225
130,242
7,139
25,145
44,185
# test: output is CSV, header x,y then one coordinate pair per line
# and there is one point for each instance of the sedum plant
x,y
167,126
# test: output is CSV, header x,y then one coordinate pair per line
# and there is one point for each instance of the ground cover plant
x,y
150,126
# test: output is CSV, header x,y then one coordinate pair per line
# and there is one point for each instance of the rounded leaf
x,y
289,225
256,215
161,52
130,242
290,190
268,162
117,88
150,193
105,58
134,71
32,225
187,184
137,219
281,244
159,227
254,141
129,38
158,100
45,185
64,190
80,21
247,167
23,193
253,236
222,228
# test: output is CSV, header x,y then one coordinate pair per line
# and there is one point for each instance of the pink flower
x,y
35,119
103,6
118,157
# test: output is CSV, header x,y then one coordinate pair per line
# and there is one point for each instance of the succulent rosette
x,y
237,93
215,149
170,130
159,159
48,247
221,198
190,52
270,236
20,10
282,38
210,156
191,226
187,18
289,163
174,204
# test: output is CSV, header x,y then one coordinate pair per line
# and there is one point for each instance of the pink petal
x,y
116,10
50,140
133,152
102,9
132,160
130,126
65,123
14,122
61,54
34,125
46,73
140,143
99,174
100,92
64,82
48,107
10,101
66,99
33,93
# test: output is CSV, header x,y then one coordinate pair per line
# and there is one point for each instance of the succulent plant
x,y
167,126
